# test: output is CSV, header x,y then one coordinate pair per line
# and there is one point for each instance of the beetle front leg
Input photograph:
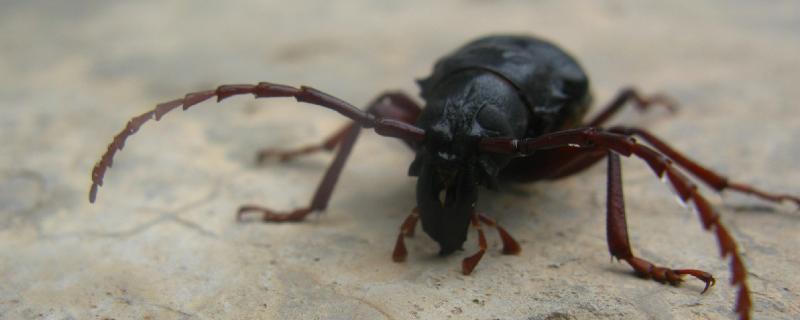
x,y
510,246
617,234
469,263
406,230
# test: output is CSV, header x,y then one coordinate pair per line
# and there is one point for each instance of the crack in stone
x,y
184,315
297,279
165,216
366,302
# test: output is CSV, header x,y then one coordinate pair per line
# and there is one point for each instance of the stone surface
x,y
161,241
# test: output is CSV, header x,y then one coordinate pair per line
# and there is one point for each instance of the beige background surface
x,y
161,242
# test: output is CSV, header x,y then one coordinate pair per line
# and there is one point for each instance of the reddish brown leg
x,y
712,179
285,155
617,234
641,102
469,263
345,138
510,246
594,139
324,191
406,230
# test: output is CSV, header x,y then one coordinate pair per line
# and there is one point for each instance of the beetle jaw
x,y
446,200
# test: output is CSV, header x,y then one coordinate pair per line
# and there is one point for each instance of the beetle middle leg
x,y
560,162
714,180
469,263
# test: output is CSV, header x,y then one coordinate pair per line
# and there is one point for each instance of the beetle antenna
x,y
384,127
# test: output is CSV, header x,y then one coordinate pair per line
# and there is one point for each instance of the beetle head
x,y
450,167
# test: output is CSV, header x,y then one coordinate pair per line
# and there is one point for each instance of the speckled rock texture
x,y
162,242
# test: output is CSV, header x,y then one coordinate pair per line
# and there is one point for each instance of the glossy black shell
x,y
550,82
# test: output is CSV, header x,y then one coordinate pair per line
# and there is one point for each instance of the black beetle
x,y
500,107
504,86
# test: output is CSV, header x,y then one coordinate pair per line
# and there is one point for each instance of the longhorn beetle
x,y
501,107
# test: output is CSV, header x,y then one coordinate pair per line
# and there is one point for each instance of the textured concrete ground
x,y
162,243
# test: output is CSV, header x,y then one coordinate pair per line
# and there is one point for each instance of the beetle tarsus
x,y
648,270
699,274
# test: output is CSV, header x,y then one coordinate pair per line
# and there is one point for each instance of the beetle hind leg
x,y
640,101
324,191
283,155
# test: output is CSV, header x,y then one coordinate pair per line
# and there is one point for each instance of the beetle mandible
x,y
500,107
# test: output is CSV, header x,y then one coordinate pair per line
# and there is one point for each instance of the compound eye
x,y
492,122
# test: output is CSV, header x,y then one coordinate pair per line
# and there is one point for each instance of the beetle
x,y
507,107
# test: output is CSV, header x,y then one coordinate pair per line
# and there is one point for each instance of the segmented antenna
x,y
385,127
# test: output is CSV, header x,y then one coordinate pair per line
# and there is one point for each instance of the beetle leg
x,y
617,234
510,246
641,102
712,179
324,191
406,230
469,263
596,139
328,144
